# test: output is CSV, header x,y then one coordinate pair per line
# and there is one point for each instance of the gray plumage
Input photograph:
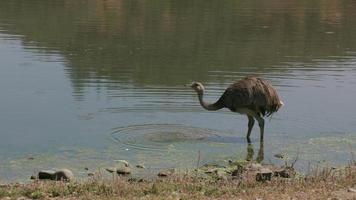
x,y
252,96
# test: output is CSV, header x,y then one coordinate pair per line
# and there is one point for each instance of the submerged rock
x,y
121,168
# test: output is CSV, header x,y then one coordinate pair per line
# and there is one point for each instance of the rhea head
x,y
198,87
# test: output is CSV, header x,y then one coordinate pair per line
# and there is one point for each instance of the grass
x,y
327,183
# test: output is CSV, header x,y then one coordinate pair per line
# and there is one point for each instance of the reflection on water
x,y
250,152
73,71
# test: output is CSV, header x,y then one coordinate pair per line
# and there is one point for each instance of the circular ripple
x,y
161,137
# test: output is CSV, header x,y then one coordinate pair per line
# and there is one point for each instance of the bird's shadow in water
x,y
250,152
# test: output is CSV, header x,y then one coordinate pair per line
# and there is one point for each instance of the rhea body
x,y
252,96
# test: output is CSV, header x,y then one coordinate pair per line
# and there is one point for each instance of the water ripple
x,y
163,137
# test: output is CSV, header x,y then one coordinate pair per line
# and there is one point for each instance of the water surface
x,y
86,83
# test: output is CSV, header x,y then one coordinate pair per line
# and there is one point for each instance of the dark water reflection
x,y
72,71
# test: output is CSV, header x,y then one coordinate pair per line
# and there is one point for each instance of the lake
x,y
86,83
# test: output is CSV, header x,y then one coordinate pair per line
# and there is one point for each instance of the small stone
x,y
86,168
166,172
351,190
123,170
264,175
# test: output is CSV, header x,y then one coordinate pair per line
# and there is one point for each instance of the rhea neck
x,y
208,106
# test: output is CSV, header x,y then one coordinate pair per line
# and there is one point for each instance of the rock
x,y
264,174
166,172
351,190
63,175
60,175
140,166
123,170
46,174
127,164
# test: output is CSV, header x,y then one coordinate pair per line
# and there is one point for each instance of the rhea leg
x,y
251,122
261,123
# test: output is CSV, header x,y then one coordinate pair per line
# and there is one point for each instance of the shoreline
x,y
245,180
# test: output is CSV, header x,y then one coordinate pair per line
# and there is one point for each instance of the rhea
x,y
252,96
